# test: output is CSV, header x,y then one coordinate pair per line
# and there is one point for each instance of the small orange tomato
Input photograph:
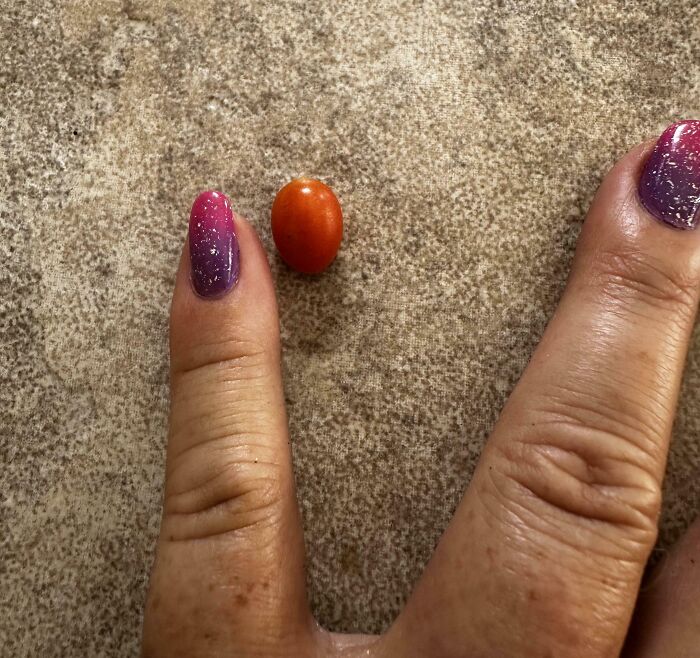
x,y
307,225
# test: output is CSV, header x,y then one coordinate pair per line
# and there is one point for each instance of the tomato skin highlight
x,y
307,225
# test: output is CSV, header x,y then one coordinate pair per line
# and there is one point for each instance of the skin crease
x,y
544,555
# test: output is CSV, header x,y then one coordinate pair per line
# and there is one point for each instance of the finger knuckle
x,y
228,485
573,481
225,469
587,468
627,275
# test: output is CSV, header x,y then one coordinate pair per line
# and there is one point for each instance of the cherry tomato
x,y
307,225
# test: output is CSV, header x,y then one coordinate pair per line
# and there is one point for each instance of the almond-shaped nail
x,y
670,184
214,256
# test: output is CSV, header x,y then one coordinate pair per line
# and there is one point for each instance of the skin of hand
x,y
545,553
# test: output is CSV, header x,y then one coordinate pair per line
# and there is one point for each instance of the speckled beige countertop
x,y
464,139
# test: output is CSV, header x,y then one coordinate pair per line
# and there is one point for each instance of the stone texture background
x,y
464,139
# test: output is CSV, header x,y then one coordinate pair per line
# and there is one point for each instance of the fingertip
x,y
253,267
620,183
247,309
620,219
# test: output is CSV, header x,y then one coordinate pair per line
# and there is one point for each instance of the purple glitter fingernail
x,y
213,245
670,184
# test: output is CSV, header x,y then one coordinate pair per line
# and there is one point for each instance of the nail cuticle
x,y
669,187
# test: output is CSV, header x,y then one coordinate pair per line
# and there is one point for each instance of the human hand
x,y
545,553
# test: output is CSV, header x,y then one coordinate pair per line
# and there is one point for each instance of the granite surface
x,y
464,139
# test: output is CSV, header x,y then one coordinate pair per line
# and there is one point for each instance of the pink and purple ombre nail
x,y
670,184
214,255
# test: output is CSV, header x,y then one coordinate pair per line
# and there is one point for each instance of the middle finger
x,y
546,550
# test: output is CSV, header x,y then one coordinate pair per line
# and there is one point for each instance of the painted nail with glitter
x,y
670,184
214,255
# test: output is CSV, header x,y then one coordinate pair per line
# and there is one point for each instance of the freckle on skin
x,y
644,356
532,595
250,587
211,587
241,599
